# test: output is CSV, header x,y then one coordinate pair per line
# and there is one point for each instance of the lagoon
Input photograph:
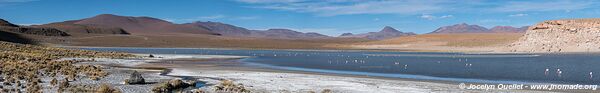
x,y
455,67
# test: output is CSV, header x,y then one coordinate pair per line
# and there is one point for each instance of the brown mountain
x,y
508,29
461,28
9,27
6,23
8,36
286,34
346,34
222,28
141,25
466,28
71,28
385,33
231,30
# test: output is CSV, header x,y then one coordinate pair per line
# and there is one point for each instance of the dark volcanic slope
x,y
71,28
222,28
141,25
385,33
9,27
15,38
6,23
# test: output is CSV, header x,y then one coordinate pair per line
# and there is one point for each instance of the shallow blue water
x,y
459,67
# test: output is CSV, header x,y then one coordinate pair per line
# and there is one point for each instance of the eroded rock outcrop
x,y
573,35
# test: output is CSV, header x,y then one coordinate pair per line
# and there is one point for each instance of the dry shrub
x,y
163,87
170,86
104,88
29,63
62,86
198,91
327,91
229,86
53,82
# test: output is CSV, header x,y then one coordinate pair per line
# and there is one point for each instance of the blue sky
x,y
330,17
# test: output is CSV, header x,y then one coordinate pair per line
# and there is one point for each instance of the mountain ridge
x,y
466,28
140,25
385,33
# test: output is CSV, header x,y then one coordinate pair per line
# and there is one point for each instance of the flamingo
x,y
591,75
558,72
546,72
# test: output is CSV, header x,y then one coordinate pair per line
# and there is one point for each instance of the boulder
x,y
135,78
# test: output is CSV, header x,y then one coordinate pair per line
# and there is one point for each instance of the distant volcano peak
x,y
388,29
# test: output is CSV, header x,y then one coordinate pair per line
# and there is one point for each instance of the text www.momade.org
x,y
523,86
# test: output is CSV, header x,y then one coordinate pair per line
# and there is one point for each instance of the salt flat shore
x,y
214,68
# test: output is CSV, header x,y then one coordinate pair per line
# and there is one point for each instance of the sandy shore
x,y
214,68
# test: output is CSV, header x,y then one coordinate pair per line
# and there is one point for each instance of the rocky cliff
x,y
572,35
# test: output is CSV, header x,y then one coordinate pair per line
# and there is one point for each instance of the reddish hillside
x,y
71,28
141,25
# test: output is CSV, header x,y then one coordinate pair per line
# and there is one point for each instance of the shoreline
x,y
296,81
331,50
349,50
214,68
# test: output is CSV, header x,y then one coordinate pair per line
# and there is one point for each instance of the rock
x,y
326,91
197,91
572,35
177,83
169,86
135,78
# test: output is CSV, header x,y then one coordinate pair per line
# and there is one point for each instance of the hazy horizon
x,y
329,17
